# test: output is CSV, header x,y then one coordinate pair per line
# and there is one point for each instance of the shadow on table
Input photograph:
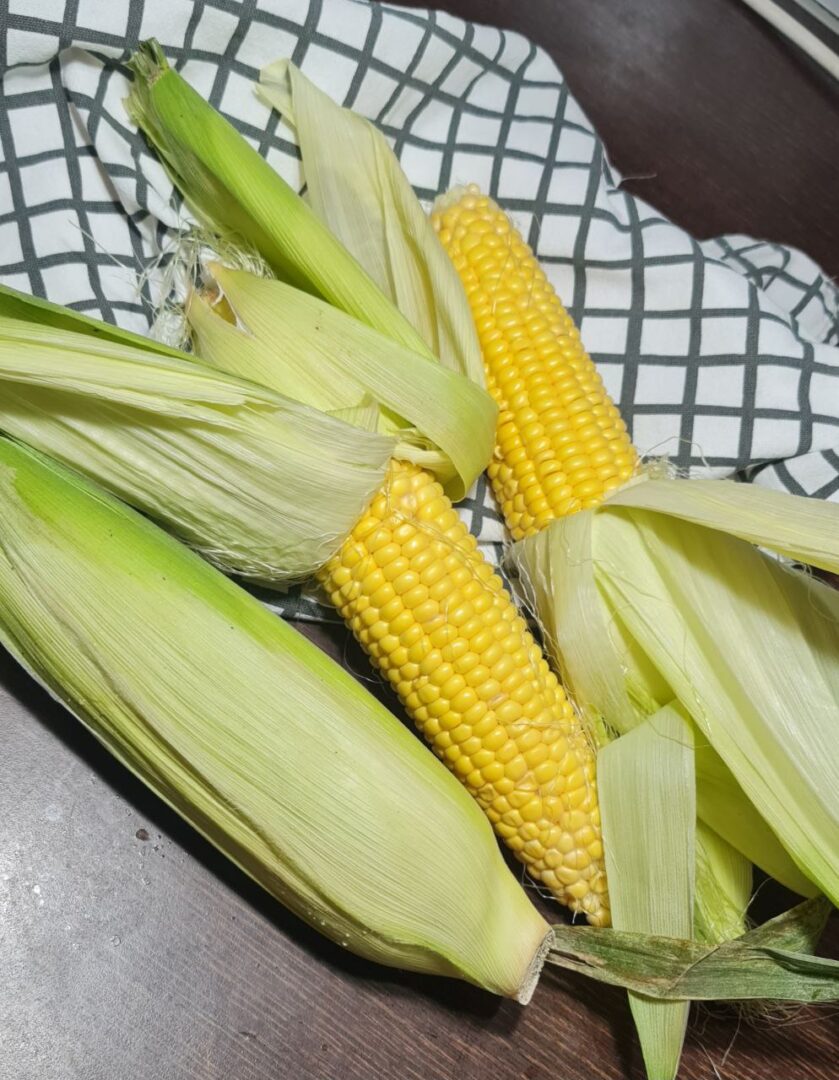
x,y
449,993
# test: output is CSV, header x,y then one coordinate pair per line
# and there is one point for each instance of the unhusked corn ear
x,y
270,749
561,444
433,616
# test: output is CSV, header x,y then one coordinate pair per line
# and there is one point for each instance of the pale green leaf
x,y
752,651
805,530
261,485
646,791
356,186
723,888
308,350
723,807
556,572
248,349
36,311
616,682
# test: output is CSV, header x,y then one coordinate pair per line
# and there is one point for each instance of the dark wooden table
x,y
130,951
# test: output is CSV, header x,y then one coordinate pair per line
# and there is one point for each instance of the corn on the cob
x,y
561,444
539,780
434,617
429,611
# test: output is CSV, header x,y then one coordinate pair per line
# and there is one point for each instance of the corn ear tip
x,y
215,270
453,196
149,62
147,65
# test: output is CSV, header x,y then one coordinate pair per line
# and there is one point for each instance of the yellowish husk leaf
x,y
723,806
749,647
647,800
617,687
262,485
723,888
804,530
356,186
266,746
306,349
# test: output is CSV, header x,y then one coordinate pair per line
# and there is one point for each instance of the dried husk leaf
x,y
773,961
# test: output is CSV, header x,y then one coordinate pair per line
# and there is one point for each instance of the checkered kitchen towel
x,y
723,354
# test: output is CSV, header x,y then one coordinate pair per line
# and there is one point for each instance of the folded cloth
x,y
722,354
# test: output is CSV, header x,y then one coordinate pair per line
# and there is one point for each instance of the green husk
x,y
34,309
356,186
262,485
773,961
269,749
304,348
235,193
646,789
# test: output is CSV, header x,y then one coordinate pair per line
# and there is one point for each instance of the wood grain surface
x,y
129,950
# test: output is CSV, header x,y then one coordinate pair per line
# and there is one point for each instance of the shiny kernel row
x,y
435,619
561,444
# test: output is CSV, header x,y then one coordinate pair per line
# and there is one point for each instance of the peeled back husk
x,y
268,748
749,646
356,186
306,349
620,681
647,795
262,485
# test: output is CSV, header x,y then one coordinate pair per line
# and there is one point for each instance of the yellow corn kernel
x,y
476,685
561,444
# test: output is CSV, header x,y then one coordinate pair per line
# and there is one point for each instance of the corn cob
x,y
408,580
561,444
433,616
